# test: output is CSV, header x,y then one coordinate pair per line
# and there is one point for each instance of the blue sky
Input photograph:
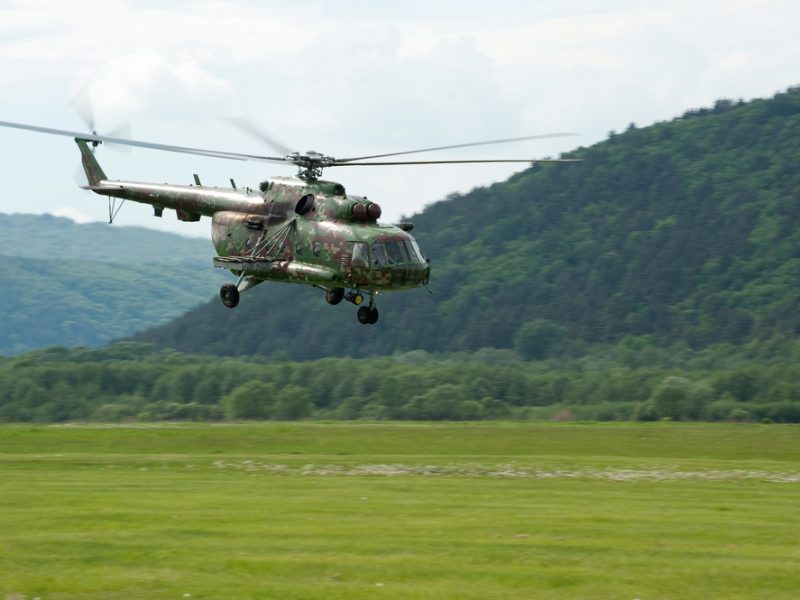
x,y
354,77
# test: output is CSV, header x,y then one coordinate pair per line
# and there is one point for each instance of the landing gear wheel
x,y
334,296
229,295
368,315
363,314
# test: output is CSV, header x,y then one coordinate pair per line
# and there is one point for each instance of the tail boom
x,y
190,202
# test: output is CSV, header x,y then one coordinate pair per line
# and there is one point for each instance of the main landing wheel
x,y
229,295
367,315
334,296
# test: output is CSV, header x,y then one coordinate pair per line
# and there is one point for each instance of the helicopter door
x,y
359,264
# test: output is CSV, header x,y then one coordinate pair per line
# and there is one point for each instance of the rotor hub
x,y
310,164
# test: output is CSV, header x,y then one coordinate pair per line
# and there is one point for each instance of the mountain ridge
x,y
71,284
683,231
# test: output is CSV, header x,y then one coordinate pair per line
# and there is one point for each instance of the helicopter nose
x,y
419,273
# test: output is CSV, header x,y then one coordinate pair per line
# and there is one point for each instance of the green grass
x,y
316,510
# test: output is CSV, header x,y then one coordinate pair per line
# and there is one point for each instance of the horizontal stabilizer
x,y
103,187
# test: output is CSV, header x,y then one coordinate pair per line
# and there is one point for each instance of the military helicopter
x,y
300,229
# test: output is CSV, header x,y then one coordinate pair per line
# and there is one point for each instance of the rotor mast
x,y
310,164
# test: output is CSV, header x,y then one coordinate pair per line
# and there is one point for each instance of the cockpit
x,y
395,253
390,261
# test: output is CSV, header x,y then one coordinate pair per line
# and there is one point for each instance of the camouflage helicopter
x,y
298,229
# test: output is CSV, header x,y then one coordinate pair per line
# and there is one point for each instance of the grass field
x,y
332,510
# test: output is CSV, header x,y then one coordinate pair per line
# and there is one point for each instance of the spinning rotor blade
x,y
246,126
93,137
123,131
456,162
486,143
82,103
311,163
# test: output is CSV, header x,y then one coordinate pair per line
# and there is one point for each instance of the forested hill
x,y
684,231
85,284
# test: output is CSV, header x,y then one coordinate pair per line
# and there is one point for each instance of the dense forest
x,y
85,285
632,380
685,231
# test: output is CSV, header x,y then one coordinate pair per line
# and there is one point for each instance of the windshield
x,y
390,253
413,251
397,252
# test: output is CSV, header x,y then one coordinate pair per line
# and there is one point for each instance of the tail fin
x,y
94,173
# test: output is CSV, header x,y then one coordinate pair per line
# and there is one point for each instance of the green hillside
x,y
84,285
684,232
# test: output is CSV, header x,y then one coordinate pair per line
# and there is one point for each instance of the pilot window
x,y
389,253
413,251
360,255
396,252
379,255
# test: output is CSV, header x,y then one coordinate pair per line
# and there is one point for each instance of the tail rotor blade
x,y
82,103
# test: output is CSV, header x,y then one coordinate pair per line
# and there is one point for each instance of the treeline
x,y
135,382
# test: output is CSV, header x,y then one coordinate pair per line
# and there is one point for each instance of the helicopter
x,y
300,229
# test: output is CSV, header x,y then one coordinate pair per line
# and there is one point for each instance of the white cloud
x,y
147,82
72,214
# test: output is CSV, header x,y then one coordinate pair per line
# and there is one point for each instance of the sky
x,y
356,77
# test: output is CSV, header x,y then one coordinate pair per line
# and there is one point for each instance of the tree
x,y
113,413
444,402
680,398
293,404
539,339
251,400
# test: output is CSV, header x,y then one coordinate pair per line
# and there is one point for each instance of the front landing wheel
x,y
229,295
373,315
367,315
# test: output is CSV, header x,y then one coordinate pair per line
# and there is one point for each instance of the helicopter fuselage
x,y
304,234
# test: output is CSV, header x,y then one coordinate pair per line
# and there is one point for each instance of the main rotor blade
x,y
456,162
123,131
93,137
245,125
467,145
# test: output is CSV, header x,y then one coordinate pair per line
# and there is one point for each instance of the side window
x,y
414,249
379,255
360,255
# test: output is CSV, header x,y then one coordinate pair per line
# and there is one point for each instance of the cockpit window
x,y
413,251
397,252
379,255
360,255
390,253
